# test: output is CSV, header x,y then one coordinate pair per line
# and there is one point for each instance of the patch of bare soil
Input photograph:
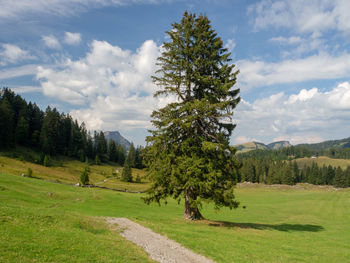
x,y
158,247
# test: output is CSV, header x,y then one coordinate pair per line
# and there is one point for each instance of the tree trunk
x,y
191,213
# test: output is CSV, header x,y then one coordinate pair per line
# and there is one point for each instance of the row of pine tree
x,y
298,151
286,172
53,133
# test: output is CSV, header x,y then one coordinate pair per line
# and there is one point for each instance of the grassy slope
x,y
277,225
323,160
250,146
69,172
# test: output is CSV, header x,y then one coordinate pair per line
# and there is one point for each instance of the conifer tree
x,y
127,173
131,155
112,151
339,178
139,157
84,176
188,154
6,124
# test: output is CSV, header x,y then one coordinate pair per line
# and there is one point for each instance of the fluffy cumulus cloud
x,y
308,116
321,66
51,42
312,16
314,25
111,88
72,38
11,54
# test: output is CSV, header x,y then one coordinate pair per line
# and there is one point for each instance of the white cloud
x,y
26,89
18,8
18,71
11,54
51,42
111,87
317,67
303,95
243,139
299,45
308,116
298,139
284,40
72,38
230,45
312,16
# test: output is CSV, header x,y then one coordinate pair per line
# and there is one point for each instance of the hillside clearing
x,y
323,160
68,171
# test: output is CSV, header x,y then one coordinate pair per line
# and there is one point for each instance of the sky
x,y
94,60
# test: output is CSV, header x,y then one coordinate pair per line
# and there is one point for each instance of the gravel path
x,y
157,246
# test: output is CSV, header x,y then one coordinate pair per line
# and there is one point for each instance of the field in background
x,y
323,160
46,222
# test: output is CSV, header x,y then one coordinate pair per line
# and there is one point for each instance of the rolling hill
x,y
278,145
326,145
250,146
343,143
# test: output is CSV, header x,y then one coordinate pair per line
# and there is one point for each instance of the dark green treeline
x,y
53,133
299,151
287,172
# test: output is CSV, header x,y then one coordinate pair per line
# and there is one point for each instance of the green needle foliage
x,y
188,154
127,173
84,177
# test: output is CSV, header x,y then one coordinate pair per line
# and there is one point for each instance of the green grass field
x,y
323,160
68,171
47,222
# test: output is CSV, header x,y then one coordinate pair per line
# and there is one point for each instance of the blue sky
x,y
94,59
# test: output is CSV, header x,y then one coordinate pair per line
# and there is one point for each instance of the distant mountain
x,y
118,138
250,146
279,145
343,143
326,145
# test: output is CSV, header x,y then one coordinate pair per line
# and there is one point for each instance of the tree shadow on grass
x,y
279,227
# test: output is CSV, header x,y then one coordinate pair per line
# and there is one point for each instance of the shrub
x,y
126,174
84,177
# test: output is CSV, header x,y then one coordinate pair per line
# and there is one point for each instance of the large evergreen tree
x,y
188,154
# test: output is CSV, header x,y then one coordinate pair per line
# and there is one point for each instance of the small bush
x,y
126,174
84,177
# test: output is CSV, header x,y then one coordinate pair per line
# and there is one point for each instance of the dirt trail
x,y
157,246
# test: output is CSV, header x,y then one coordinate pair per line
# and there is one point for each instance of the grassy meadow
x,y
46,222
323,160
66,170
